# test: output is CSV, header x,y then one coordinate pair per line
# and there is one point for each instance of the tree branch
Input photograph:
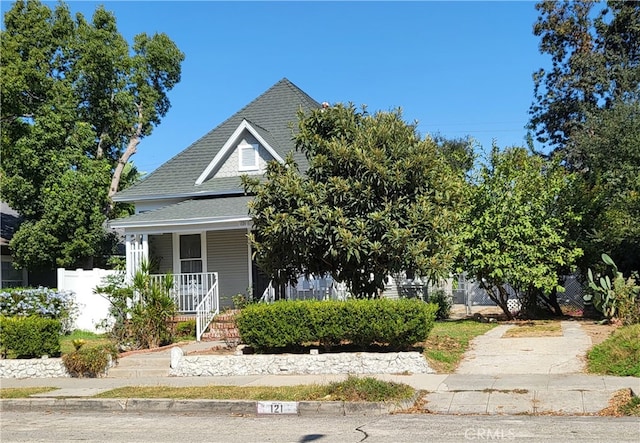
x,y
100,150
126,155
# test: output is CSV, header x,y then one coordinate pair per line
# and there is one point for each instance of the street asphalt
x,y
498,376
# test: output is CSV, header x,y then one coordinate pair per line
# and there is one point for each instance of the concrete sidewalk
x,y
572,394
497,376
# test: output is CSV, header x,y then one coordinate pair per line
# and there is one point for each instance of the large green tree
x,y
610,145
460,152
586,110
376,199
76,102
517,229
595,59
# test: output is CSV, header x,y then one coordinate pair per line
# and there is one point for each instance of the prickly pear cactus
x,y
603,293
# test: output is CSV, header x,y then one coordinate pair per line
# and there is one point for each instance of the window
x,y
190,254
248,156
11,277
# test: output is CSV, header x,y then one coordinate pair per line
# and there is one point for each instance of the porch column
x,y
249,265
137,252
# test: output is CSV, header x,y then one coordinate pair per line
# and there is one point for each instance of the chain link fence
x,y
468,292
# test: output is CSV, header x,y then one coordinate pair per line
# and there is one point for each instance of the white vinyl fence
x,y
92,307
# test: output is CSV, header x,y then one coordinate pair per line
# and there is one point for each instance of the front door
x,y
190,254
192,286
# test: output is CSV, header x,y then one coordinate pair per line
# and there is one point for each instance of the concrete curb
x,y
217,407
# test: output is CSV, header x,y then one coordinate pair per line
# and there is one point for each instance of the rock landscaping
x,y
314,363
32,368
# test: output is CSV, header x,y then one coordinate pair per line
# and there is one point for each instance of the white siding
x,y
161,252
227,254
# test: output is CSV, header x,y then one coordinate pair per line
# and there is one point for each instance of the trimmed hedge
x,y
399,324
29,337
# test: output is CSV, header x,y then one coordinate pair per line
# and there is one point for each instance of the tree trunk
x,y
134,141
529,303
553,302
500,299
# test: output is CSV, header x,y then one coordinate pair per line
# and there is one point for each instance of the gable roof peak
x,y
245,125
272,116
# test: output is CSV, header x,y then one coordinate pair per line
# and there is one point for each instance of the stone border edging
x,y
33,368
297,364
218,407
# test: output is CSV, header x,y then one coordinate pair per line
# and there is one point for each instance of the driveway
x,y
492,353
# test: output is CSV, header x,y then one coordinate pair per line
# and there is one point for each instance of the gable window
x,y
248,156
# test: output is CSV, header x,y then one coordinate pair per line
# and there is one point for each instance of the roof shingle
x,y
274,112
208,210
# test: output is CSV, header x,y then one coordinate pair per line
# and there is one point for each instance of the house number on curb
x,y
277,407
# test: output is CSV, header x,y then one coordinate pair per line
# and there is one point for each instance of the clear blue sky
x,y
458,68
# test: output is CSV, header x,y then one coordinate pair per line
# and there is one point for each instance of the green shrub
x,y
292,324
140,313
240,301
328,321
29,337
628,303
617,355
186,329
278,325
440,298
89,362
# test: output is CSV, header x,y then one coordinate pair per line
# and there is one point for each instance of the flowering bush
x,y
41,302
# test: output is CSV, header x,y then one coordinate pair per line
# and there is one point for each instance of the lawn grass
x,y
352,389
617,355
449,340
91,340
23,392
535,328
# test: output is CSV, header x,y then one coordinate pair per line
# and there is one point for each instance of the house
x,y
191,216
10,277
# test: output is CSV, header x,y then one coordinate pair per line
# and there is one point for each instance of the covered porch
x,y
208,256
207,268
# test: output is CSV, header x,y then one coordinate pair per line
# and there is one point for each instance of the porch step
x,y
220,331
223,327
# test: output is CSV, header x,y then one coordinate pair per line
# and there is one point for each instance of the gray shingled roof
x,y
208,210
273,112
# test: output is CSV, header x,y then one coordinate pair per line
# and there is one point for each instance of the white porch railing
x,y
307,290
190,289
269,294
207,309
